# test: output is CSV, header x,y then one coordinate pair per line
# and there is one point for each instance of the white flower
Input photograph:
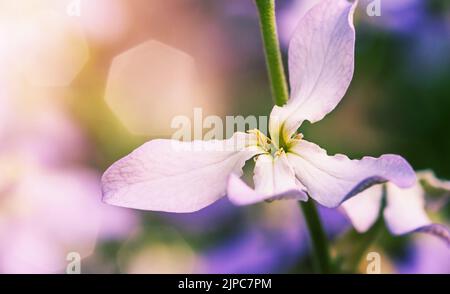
x,y
168,175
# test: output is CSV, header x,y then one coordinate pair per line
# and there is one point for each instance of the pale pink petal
x,y
330,180
430,178
405,210
363,210
274,179
289,18
321,62
405,213
439,230
175,176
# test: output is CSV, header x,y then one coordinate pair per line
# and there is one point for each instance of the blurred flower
x,y
48,206
116,222
425,256
290,16
173,176
271,243
212,217
273,240
334,222
36,125
425,30
45,213
405,208
395,15
429,46
427,177
400,16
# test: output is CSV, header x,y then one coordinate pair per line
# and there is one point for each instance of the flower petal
x,y
439,230
274,179
430,179
363,210
425,256
330,180
174,176
405,213
405,210
321,63
437,191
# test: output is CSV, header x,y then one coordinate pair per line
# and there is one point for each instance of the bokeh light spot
x,y
148,85
53,50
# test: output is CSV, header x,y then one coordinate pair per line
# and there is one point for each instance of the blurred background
x,y
84,82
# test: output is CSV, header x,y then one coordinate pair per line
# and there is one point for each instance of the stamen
x,y
299,136
261,139
279,151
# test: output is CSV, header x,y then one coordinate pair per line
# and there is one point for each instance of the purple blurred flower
x,y
269,245
48,213
206,219
426,31
400,16
334,222
255,252
48,207
396,15
429,47
290,16
276,241
426,256
173,176
36,126
405,208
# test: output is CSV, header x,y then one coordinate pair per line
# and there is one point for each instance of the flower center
x,y
268,146
262,140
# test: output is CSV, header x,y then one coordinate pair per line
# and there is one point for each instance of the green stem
x,y
266,9
363,243
353,245
319,239
274,62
